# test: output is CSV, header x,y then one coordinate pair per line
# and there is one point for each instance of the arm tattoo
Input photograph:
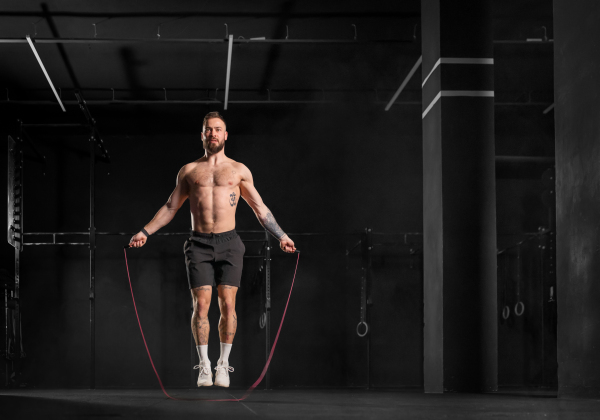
x,y
271,225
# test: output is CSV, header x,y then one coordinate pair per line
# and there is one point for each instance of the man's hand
x,y
138,240
287,245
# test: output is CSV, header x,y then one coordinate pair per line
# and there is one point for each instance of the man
x,y
214,253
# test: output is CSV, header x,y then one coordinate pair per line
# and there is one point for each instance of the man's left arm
x,y
264,215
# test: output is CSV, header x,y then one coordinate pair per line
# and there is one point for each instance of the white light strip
x,y
457,61
404,83
45,72
480,93
435,66
229,51
437,98
550,108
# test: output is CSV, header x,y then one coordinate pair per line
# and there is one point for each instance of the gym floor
x,y
284,404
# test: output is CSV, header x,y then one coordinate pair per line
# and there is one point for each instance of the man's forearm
x,y
268,222
161,219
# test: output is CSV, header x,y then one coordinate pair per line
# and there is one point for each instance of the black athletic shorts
x,y
212,259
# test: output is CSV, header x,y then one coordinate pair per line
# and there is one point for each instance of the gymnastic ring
x,y
506,312
358,328
262,320
517,311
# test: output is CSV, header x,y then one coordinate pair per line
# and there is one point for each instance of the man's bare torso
x,y
214,193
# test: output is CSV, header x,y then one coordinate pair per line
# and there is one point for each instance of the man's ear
x,y
226,135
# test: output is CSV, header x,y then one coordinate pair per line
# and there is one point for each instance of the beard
x,y
214,148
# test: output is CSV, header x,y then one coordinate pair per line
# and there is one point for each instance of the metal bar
x,y
92,124
205,102
56,243
17,310
12,184
550,108
6,339
227,77
45,72
57,233
92,265
404,83
363,298
204,13
242,102
268,305
16,293
524,159
199,41
169,233
54,125
530,42
369,248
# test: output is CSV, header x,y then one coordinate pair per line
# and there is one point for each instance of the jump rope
x,y
264,371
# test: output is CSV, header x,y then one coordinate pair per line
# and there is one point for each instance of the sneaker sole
x,y
205,384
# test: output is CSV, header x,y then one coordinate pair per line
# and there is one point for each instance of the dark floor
x,y
330,404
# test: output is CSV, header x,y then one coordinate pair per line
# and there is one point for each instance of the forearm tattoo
x,y
269,223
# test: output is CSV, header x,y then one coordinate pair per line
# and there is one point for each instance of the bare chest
x,y
211,177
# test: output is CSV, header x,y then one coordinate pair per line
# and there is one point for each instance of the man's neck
x,y
216,158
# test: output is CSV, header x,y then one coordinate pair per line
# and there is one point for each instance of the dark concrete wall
x,y
577,83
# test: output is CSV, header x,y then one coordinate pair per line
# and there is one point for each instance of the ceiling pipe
x,y
198,41
28,40
217,102
229,53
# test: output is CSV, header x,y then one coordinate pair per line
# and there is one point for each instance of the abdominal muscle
x,y
213,208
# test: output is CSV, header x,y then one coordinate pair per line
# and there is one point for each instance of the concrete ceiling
x,y
198,70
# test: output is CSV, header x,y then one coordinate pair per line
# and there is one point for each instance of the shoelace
x,y
203,369
227,368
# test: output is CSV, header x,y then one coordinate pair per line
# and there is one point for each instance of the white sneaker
x,y
205,376
222,375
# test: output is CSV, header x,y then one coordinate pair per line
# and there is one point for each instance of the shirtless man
x,y
214,253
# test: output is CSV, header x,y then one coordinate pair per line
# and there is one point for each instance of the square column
x,y
459,220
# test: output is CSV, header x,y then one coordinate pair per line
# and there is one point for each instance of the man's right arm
x,y
166,213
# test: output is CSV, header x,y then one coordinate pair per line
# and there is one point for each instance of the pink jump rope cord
x,y
264,371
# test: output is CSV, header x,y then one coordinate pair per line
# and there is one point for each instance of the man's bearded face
x,y
214,135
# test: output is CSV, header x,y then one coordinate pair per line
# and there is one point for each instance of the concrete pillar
x,y
459,220
577,119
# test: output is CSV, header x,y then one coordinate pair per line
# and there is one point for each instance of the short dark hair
x,y
213,114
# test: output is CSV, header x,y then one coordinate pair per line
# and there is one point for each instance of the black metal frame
x,y
13,353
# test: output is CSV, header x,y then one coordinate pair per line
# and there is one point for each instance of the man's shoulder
x,y
189,166
238,165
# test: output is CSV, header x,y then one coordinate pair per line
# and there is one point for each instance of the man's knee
x,y
201,306
227,307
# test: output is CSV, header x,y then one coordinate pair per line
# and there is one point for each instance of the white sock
x,y
203,354
225,349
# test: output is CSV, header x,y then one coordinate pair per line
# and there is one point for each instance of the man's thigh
x,y
199,263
